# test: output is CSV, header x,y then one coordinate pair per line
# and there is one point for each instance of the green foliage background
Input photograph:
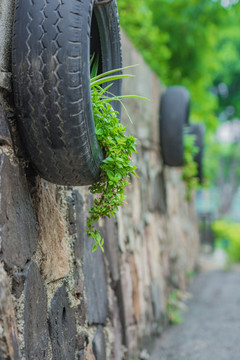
x,y
227,236
196,44
192,43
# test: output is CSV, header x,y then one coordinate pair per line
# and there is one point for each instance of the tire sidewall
x,y
174,115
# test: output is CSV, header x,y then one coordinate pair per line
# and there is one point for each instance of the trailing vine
x,y
117,148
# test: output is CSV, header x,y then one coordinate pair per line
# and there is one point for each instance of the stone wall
x,y
57,299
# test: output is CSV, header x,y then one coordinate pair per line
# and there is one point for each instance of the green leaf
x,y
99,131
109,78
112,72
94,248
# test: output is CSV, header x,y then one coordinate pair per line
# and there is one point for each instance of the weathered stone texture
x,y
99,344
111,249
6,17
117,340
17,221
62,327
96,284
52,233
9,347
35,314
5,138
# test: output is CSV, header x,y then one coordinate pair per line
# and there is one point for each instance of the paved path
x,y
211,327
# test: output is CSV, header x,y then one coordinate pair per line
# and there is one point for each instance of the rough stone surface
x,y
76,212
125,301
99,344
52,233
86,355
9,348
159,193
116,352
111,249
17,221
135,289
156,299
80,355
82,340
80,223
62,326
5,138
131,333
6,16
82,312
95,284
35,314
71,215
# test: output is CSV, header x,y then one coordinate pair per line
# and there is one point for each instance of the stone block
x,y
9,347
132,340
35,315
95,284
6,11
17,221
135,289
124,292
80,223
71,215
80,355
5,138
121,230
117,330
77,215
158,198
62,326
111,249
52,233
156,301
99,344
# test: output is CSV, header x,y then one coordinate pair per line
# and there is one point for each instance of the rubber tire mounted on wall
x,y
52,44
198,130
174,115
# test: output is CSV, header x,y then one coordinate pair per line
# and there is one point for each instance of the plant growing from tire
x,y
117,148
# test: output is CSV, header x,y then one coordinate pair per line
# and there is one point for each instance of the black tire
x,y
174,115
52,43
198,130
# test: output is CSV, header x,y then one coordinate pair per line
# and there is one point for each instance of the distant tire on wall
x,y
174,115
52,45
198,130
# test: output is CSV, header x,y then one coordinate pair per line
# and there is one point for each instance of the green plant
x,y
227,237
190,169
175,306
117,148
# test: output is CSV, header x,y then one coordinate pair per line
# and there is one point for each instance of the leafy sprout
x,y
117,148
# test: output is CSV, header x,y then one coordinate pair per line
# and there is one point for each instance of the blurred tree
x,y
223,172
136,18
226,82
178,39
196,44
